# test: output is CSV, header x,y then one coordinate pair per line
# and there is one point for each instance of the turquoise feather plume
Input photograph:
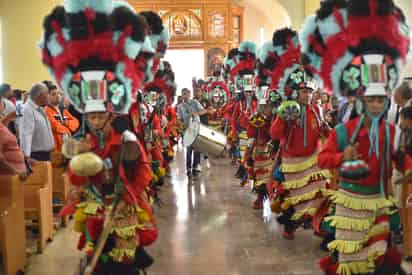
x,y
248,45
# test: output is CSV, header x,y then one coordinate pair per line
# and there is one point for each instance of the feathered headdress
x,y
283,63
356,47
243,73
89,48
163,83
158,33
217,87
265,55
159,37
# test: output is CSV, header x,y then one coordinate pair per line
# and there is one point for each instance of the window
x,y
261,36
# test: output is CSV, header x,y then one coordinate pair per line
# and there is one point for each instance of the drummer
x,y
190,109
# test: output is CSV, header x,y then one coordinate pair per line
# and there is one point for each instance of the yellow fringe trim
x,y
354,224
395,203
90,207
377,230
304,197
243,135
79,220
354,268
358,203
360,266
126,232
295,184
142,215
299,167
346,246
301,213
118,254
89,246
161,172
350,247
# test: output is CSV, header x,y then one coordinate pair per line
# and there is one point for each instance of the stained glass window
x,y
217,25
183,24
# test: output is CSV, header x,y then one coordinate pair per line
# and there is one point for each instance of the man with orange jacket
x,y
61,121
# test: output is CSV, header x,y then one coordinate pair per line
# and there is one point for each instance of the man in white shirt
x,y
402,97
9,109
36,138
187,110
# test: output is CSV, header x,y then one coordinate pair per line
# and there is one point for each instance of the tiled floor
x,y
206,228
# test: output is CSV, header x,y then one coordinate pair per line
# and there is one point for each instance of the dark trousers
x,y
41,156
192,158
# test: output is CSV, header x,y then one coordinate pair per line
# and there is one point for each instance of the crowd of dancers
x,y
277,106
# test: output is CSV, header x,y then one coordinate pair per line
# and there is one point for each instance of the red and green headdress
x,y
356,47
89,48
244,72
283,64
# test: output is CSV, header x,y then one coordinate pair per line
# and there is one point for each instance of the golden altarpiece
x,y
215,26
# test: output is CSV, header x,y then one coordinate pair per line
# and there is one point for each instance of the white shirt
x,y
34,130
348,113
392,118
8,106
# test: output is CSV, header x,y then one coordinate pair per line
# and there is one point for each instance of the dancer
x,y
362,57
243,74
298,129
110,170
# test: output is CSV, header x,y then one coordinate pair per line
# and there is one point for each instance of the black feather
x,y
358,7
399,13
232,53
94,64
58,15
373,46
362,7
123,17
77,24
282,36
385,7
153,20
102,23
327,7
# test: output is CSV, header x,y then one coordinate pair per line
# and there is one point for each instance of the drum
x,y
204,139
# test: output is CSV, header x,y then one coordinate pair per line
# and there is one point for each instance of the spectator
x,y
201,96
347,111
36,137
325,102
190,109
6,91
63,124
403,98
405,152
9,109
11,158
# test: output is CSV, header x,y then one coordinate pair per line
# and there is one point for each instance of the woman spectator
x,y
11,157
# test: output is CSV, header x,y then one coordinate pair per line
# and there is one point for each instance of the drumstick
x,y
108,225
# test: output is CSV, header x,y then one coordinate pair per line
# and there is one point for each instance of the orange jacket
x,y
59,128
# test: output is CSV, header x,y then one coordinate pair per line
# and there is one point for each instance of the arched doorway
x,y
208,25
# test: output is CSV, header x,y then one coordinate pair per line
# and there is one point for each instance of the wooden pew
x,y
12,228
38,204
60,185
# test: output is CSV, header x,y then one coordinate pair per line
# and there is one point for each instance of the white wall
x,y
406,6
268,14
186,64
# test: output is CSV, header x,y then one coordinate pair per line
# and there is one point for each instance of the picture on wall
x,y
215,58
